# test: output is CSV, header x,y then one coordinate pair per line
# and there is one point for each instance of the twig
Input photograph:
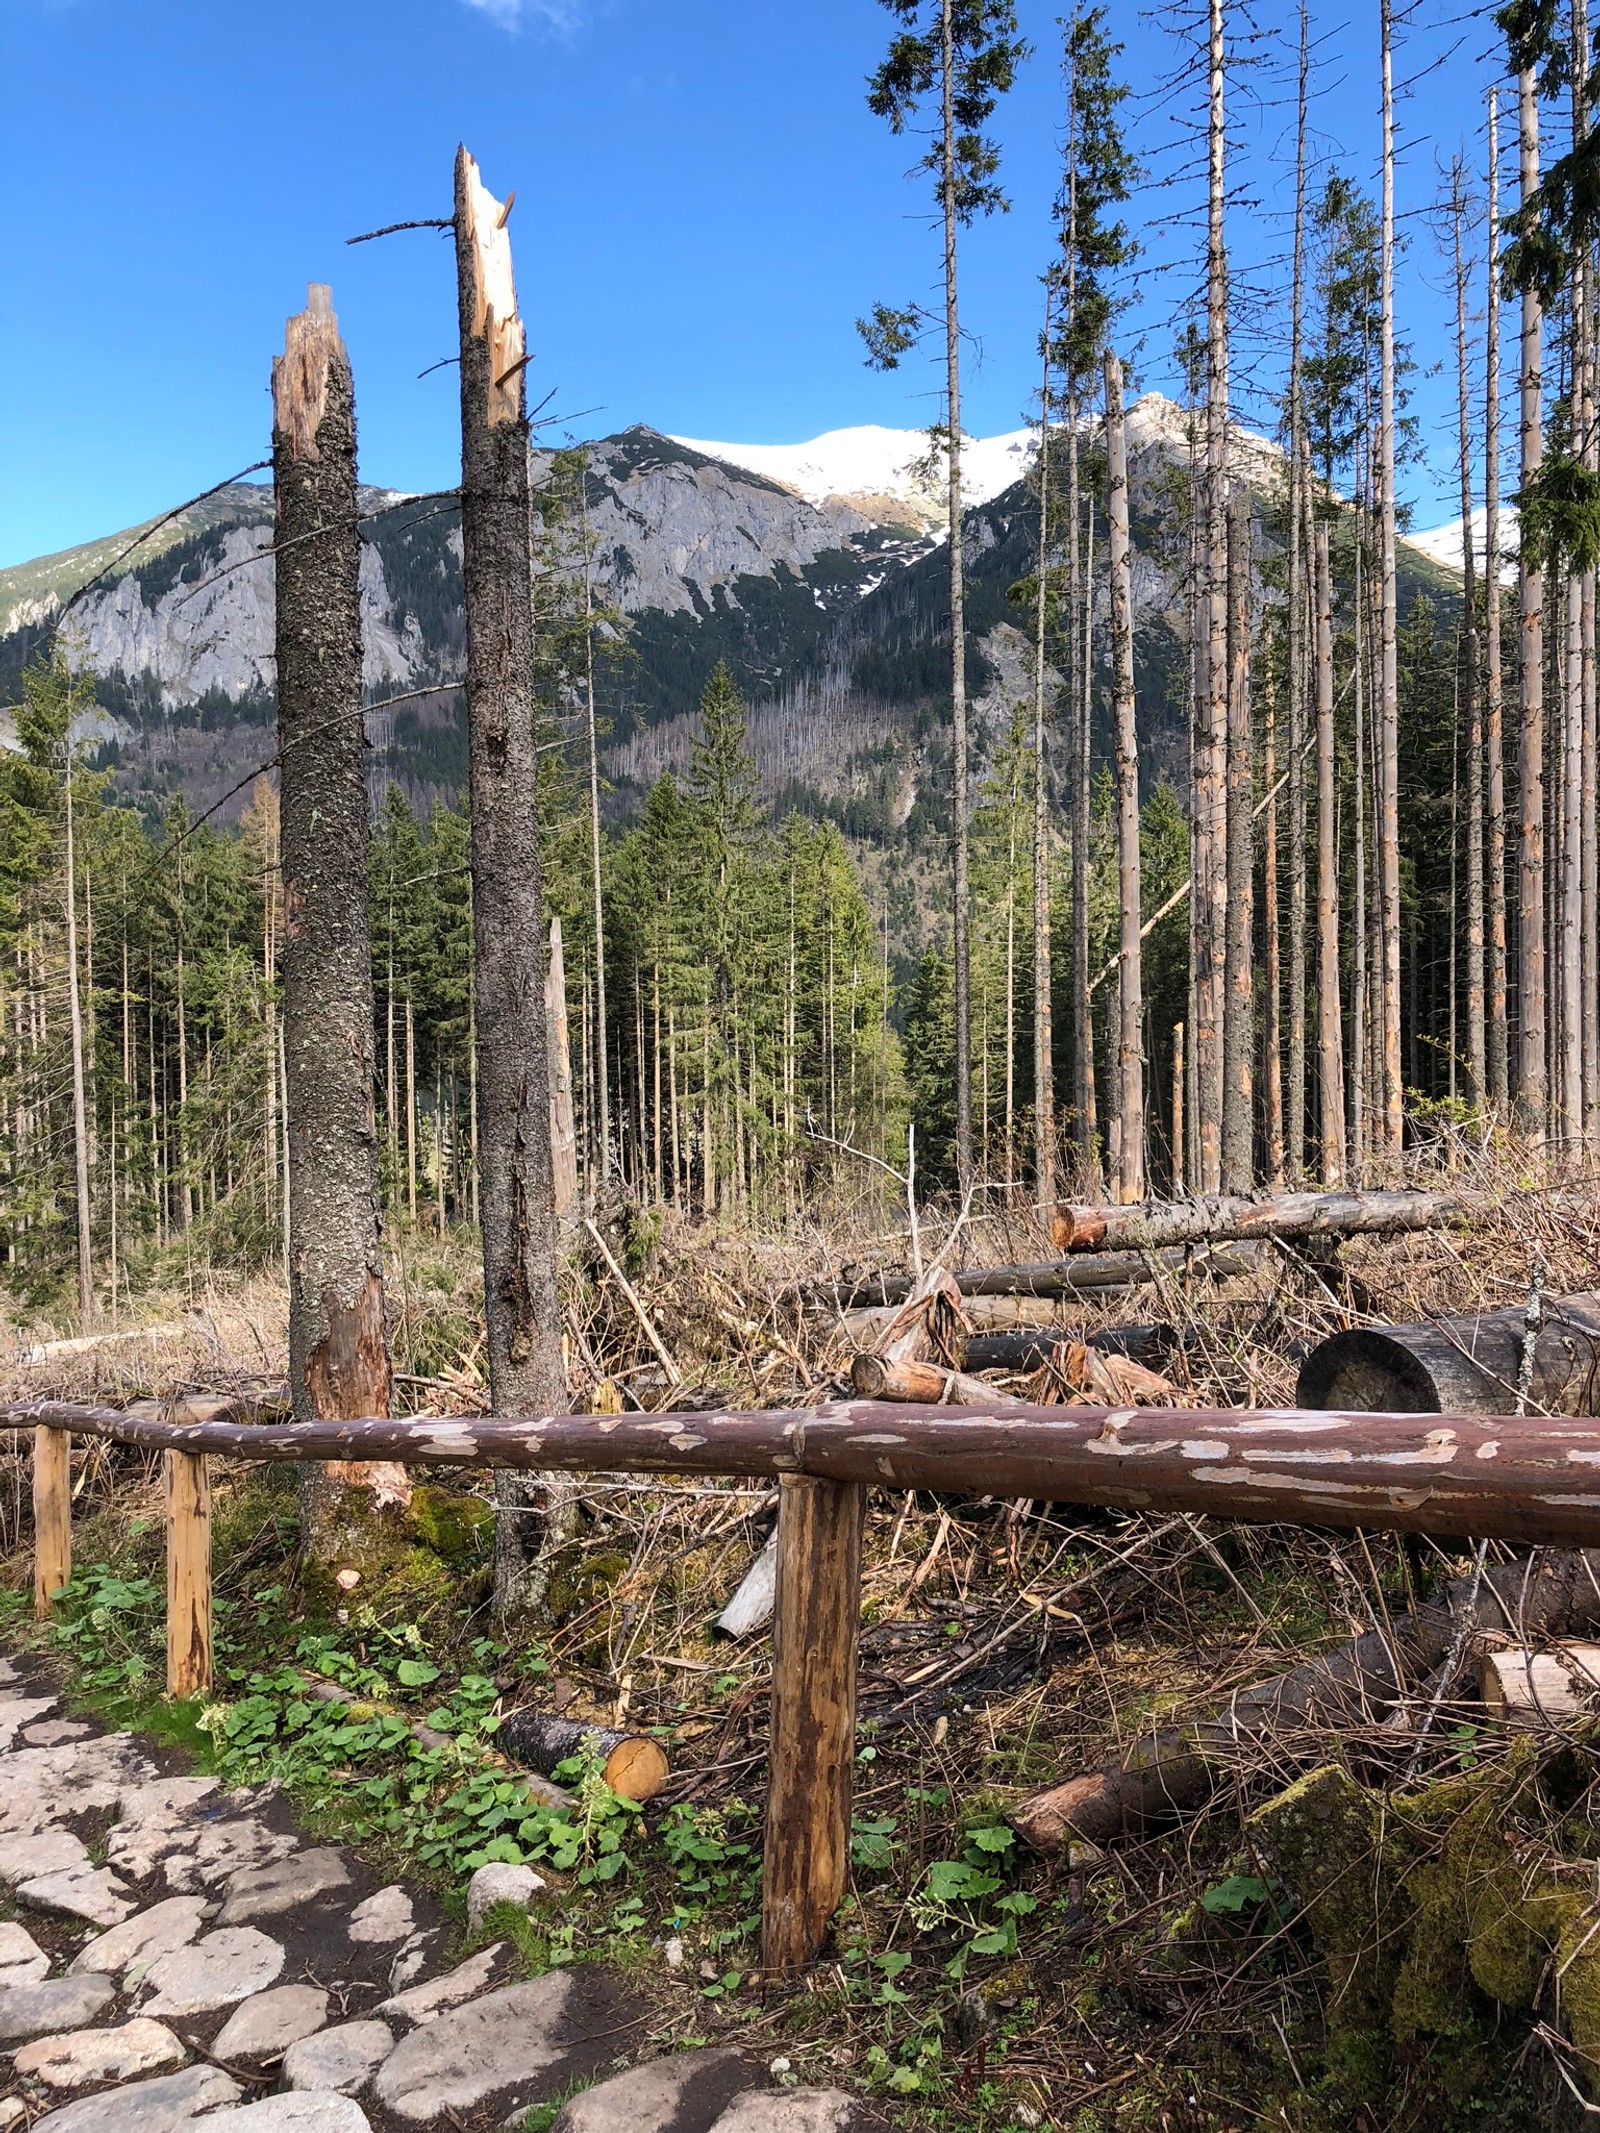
x,y
139,539
425,222
651,1335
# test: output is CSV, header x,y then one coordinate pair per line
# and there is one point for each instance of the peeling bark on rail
x,y
1501,1477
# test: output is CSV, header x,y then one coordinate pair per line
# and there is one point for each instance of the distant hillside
x,y
831,609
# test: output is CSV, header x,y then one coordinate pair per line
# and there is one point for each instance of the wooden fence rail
x,y
1522,1479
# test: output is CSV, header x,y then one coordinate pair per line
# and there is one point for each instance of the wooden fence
x,y
1527,1480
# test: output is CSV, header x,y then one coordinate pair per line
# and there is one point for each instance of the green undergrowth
x,y
935,1913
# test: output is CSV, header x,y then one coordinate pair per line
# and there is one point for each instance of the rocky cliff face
x,y
831,611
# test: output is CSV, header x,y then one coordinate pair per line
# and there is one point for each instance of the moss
x,y
578,1579
456,1527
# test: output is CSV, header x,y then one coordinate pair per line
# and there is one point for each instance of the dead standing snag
x,y
338,1345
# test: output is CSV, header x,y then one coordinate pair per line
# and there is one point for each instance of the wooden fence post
x,y
815,1634
52,1514
188,1574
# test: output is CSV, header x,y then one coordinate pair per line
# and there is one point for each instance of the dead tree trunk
x,y
1477,1054
1496,1017
338,1343
1330,1028
1467,1365
1532,1090
1299,609
950,208
1130,1044
517,1189
1283,1214
1044,1080
1238,1012
1210,878
1388,735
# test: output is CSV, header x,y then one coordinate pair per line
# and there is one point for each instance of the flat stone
x,y
383,1918
157,2106
653,2098
56,2003
501,1883
424,2003
303,2111
79,1777
460,2058
50,1733
12,2112
138,2047
45,1851
412,1960
22,1960
268,1891
19,1711
215,1971
789,2111
343,2059
89,1892
265,2026
214,1852
134,1945
156,1820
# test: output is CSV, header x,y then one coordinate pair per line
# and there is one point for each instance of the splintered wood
x,y
300,375
494,312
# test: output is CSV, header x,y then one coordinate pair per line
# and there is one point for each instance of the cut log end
x,y
636,1769
311,346
495,320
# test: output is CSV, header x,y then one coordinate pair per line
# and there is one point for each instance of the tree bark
x,y
1388,749
1130,1046
1226,1216
1044,1079
1467,1365
1238,1026
1330,1031
1496,1016
516,1183
1532,1073
80,1121
1477,1042
338,1340
1299,611
1208,867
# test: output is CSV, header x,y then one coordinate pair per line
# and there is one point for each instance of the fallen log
x,y
1501,1477
1463,1365
751,1607
1147,1344
1527,1690
1231,1217
876,1378
632,1764
1052,1277
429,1737
1181,1766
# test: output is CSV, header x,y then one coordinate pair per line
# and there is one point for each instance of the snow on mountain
x,y
871,461
1444,543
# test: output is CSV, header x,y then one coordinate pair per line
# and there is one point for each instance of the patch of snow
x,y
871,460
1444,543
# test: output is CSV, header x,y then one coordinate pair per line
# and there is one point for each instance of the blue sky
x,y
704,205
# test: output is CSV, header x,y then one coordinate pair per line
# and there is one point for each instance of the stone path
x,y
177,1955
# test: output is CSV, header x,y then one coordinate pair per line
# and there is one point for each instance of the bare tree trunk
x,y
526,1375
1298,608
1044,1083
1272,974
596,884
338,1342
1388,749
1208,867
80,1120
1360,1027
1532,1089
1238,1028
1330,1044
1497,1018
1477,1052
958,626
1130,1048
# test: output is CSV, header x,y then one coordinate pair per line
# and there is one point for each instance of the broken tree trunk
x,y
1531,1690
1233,1216
563,1131
338,1342
517,1185
1464,1365
876,1378
633,1765
1180,1767
1054,1277
1147,1344
751,1607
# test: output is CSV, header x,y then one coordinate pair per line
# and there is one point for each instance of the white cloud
x,y
562,16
